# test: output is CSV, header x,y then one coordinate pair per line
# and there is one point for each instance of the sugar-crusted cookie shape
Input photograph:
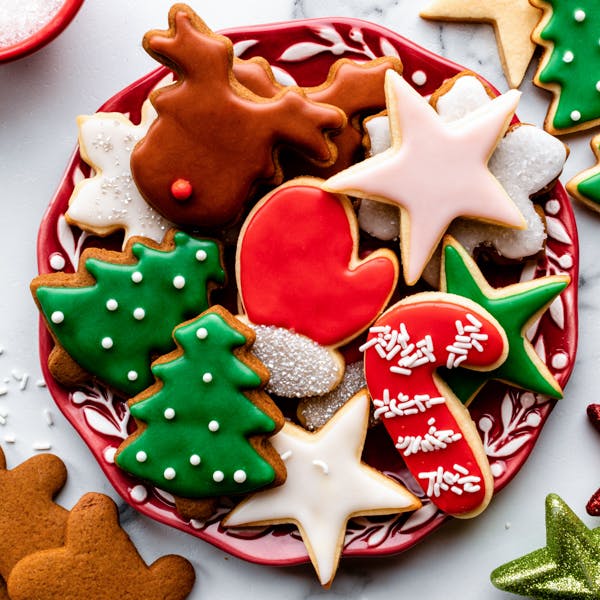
x,y
98,560
431,429
214,133
326,485
307,276
121,307
423,144
570,64
109,200
29,518
585,186
515,307
513,21
567,567
203,426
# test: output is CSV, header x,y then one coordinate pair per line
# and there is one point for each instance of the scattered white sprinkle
x,y
57,261
49,417
575,115
568,57
132,375
40,383
507,525
218,476
239,476
3,390
213,426
139,313
112,304
169,473
141,456
202,333
169,413
207,377
560,360
321,464
106,343
57,317
10,439
2,419
201,255
139,493
195,460
579,15
179,282
42,446
287,454
3,413
24,381
109,455
136,277
419,78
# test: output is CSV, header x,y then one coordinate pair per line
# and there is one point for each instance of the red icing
x,y
435,315
181,189
297,267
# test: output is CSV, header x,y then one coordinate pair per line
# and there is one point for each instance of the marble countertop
x,y
99,54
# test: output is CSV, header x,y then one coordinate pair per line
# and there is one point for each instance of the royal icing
x,y
196,421
96,314
215,133
585,186
110,200
569,67
422,144
515,307
430,428
326,485
321,289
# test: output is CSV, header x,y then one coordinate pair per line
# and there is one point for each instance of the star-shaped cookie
x,y
513,21
568,567
434,171
326,485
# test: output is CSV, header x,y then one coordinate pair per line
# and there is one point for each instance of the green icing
x,y
169,444
590,188
568,567
88,323
577,79
513,308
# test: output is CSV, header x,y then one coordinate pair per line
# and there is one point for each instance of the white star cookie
x,y
109,200
434,171
326,485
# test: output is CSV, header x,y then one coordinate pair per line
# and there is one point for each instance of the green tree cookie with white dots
x,y
203,426
118,312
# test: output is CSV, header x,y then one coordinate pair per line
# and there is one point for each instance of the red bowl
x,y
42,36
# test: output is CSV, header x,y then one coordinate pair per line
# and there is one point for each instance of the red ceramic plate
x,y
509,420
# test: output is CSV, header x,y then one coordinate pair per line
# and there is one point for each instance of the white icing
x,y
320,501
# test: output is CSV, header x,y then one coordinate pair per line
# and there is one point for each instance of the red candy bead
x,y
181,189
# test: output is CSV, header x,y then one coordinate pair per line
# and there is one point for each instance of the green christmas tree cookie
x,y
118,311
203,426
585,186
567,568
570,66
515,307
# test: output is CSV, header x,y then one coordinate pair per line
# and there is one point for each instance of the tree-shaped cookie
x,y
98,561
585,186
569,67
29,518
119,310
214,138
203,425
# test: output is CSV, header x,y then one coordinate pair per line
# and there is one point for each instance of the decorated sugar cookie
x,y
515,307
513,21
422,144
585,186
120,308
567,567
569,67
214,140
326,485
430,428
110,201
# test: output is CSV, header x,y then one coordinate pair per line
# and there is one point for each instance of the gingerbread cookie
x,y
120,308
203,427
422,143
326,485
513,21
569,66
98,560
214,140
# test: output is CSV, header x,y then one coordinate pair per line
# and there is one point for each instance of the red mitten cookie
x,y
98,561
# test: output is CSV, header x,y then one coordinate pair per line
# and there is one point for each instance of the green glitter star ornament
x,y
568,568
515,307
